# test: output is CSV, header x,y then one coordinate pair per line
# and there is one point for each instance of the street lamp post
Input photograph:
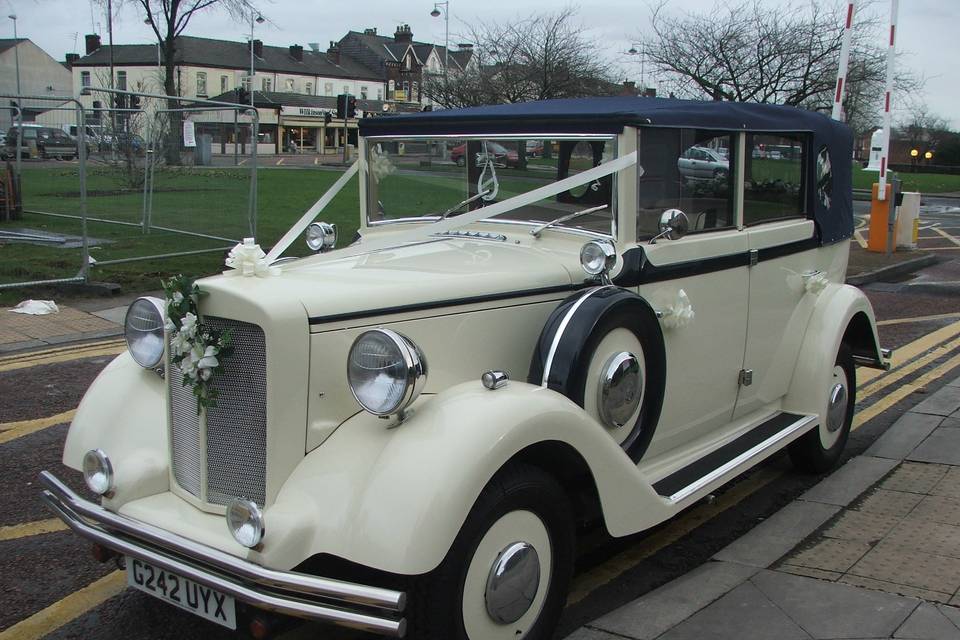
x,y
16,49
446,34
255,17
633,51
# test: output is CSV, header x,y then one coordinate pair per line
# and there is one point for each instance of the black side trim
x,y
438,304
716,459
638,270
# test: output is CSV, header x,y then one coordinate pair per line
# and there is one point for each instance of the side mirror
x,y
674,224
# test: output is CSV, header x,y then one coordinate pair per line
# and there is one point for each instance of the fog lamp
x,y
598,257
321,236
98,472
245,521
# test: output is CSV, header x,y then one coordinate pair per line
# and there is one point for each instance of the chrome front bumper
x,y
286,592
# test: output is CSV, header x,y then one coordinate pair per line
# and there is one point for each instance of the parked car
x,y
96,135
40,141
701,163
502,156
406,435
131,143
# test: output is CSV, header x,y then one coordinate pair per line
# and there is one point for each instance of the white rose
x,y
189,325
208,360
177,297
179,344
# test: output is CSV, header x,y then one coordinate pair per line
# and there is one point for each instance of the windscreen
x,y
441,178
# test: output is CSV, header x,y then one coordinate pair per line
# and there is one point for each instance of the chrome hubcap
x,y
621,387
837,408
512,583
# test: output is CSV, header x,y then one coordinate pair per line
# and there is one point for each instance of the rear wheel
x,y
506,575
820,449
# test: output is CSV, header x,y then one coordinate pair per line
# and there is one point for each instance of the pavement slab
x,y
745,613
942,403
892,587
587,633
67,325
936,538
845,484
895,504
927,622
829,610
910,567
831,554
904,436
915,477
777,535
950,484
939,509
952,613
671,604
860,525
942,446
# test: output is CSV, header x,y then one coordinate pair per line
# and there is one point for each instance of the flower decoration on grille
x,y
195,347
248,259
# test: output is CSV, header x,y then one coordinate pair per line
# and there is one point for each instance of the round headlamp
x,y
245,521
386,371
321,236
597,257
98,472
143,330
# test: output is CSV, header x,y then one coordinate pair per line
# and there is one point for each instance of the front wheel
x,y
820,449
506,575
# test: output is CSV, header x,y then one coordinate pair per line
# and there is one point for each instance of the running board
x,y
695,476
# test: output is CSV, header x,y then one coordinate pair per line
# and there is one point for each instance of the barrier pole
x,y
887,119
837,113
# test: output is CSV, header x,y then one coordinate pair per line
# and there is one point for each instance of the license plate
x,y
186,594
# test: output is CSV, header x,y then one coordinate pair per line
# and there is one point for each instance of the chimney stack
x,y
333,52
72,58
403,34
92,41
296,52
370,32
258,48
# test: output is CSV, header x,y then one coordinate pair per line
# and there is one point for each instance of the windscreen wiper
x,y
455,207
570,216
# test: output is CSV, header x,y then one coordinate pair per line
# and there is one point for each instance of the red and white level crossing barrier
x,y
837,113
885,147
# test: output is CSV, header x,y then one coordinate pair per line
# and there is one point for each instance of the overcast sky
x,y
927,32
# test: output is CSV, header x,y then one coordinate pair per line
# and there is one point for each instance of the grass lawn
x,y
204,201
922,182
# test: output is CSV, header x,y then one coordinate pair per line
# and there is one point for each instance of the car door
x,y
704,269
782,241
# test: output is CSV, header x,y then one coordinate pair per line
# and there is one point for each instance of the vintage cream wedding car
x,y
410,429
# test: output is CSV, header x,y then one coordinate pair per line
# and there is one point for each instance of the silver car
x,y
702,163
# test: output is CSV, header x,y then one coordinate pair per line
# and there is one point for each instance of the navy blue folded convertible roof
x,y
611,115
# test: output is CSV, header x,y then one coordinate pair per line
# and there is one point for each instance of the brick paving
x,y
21,331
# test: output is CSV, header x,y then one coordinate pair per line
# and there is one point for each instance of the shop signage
x,y
309,112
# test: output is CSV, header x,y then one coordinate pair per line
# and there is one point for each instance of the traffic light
x,y
134,102
120,101
351,106
243,96
342,106
327,118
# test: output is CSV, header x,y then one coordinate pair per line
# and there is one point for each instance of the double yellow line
x,y
62,354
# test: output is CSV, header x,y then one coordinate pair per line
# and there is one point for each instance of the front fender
x,y
123,413
834,313
394,498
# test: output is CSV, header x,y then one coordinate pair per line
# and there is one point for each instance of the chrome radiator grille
x,y
235,431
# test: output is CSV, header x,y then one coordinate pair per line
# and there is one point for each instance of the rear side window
x,y
774,178
686,169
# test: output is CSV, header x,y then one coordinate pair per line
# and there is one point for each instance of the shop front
x,y
312,130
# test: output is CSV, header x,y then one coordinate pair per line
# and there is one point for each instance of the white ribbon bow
x,y
248,259
679,314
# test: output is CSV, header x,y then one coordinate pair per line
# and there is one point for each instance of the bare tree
x,y
786,55
169,19
542,56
